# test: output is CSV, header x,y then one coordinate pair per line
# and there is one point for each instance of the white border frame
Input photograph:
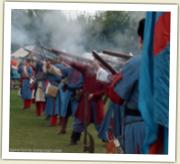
x,y
81,156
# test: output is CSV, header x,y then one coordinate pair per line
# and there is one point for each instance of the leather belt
x,y
132,112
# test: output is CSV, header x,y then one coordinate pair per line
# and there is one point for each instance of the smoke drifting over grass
x,y
71,31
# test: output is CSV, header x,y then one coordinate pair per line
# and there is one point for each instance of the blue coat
x,y
26,92
64,99
128,89
50,107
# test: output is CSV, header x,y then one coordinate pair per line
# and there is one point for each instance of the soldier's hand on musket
x,y
116,77
90,96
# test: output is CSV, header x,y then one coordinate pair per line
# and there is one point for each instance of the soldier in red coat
x,y
94,91
91,105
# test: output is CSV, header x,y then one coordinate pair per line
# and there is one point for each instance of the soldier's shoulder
x,y
135,60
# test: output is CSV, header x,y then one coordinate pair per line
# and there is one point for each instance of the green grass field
x,y
29,133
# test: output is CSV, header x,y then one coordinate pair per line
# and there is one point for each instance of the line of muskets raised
x,y
101,58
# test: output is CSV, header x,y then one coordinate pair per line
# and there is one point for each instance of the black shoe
x,y
75,137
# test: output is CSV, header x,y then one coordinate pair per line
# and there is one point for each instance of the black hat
x,y
140,29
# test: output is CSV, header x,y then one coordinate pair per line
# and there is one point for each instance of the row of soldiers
x,y
64,88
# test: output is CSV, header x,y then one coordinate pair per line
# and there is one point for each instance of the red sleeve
x,y
110,90
100,91
79,67
116,78
98,94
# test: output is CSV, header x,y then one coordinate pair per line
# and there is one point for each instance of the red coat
x,y
96,104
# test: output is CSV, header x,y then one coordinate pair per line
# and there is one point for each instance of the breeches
x,y
134,137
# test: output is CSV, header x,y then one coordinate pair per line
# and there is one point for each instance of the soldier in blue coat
x,y
51,108
26,73
39,89
124,91
67,102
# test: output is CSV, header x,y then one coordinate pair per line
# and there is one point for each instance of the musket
x,y
37,55
29,56
103,62
57,52
65,54
117,54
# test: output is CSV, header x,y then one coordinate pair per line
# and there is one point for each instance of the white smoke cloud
x,y
61,30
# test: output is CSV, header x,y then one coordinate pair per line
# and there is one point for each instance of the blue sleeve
x,y
74,78
130,75
52,78
30,71
63,69
78,84
20,69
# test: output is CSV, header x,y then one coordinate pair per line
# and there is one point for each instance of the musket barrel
x,y
58,52
117,54
105,64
